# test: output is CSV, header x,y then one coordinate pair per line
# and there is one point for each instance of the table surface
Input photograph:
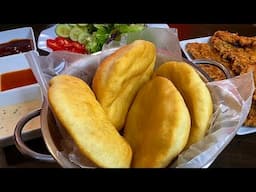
x,y
240,153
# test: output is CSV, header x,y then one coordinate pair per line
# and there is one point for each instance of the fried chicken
x,y
237,53
251,118
214,73
242,59
205,51
235,39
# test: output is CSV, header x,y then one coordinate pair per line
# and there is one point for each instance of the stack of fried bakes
x,y
133,116
236,53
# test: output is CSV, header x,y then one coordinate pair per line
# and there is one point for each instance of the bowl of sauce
x,y
16,46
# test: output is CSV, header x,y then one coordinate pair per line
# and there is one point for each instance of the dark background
x,y
239,153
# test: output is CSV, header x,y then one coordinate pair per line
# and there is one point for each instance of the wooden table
x,y
239,153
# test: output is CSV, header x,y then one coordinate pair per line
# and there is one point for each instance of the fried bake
x,y
158,124
75,106
236,53
195,93
119,77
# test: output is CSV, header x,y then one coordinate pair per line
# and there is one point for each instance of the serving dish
x,y
195,40
244,130
18,101
49,33
212,145
14,104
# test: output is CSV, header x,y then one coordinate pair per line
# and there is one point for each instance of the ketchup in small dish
x,y
16,79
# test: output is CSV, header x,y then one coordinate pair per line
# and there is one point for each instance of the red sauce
x,y
16,79
16,46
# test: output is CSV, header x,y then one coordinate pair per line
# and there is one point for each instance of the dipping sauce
x,y
16,46
11,114
16,79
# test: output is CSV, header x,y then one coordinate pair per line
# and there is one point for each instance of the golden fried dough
x,y
158,124
77,109
195,94
119,77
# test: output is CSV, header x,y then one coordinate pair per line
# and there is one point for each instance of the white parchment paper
x,y
232,97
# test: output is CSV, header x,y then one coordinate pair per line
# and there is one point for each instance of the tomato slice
x,y
61,43
51,43
77,45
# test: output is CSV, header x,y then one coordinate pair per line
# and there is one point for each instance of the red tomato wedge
x,y
61,43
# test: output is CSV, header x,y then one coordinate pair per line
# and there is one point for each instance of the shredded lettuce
x,y
104,32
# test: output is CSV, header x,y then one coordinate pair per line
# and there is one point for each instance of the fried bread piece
x,y
157,125
78,111
119,77
195,93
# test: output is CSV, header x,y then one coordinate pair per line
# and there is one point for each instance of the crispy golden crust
x,y
206,51
237,53
195,94
85,121
214,72
251,118
157,125
235,39
119,77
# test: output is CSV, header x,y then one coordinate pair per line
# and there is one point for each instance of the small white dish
x,y
18,33
15,104
13,63
196,40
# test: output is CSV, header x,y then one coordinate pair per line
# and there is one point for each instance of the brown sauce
x,y
16,79
16,46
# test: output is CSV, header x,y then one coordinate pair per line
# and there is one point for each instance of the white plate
x,y
196,40
49,33
17,96
243,130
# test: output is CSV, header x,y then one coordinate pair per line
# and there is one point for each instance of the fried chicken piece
x,y
236,53
242,60
235,39
251,118
205,51
214,72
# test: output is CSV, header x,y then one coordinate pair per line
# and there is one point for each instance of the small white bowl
x,y
18,33
14,104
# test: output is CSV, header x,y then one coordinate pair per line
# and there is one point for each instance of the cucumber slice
x,y
83,38
62,30
74,33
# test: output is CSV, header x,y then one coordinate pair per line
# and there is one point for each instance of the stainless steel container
x,y
52,136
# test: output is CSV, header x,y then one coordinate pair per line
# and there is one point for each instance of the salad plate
x,y
50,33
